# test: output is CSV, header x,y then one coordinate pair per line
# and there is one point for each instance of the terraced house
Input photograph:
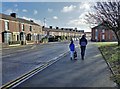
x,y
21,31
18,31
62,33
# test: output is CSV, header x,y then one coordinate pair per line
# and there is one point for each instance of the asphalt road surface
x,y
19,60
92,72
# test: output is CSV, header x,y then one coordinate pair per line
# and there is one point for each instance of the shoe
x,y
75,58
82,58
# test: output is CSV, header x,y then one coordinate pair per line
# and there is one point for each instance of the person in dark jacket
x,y
83,43
72,49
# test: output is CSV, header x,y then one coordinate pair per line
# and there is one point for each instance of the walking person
x,y
72,49
83,43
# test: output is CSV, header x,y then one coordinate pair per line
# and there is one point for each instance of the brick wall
x,y
109,35
0,31
93,34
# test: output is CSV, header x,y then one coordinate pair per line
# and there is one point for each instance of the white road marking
x,y
33,47
13,54
22,50
6,56
6,48
33,72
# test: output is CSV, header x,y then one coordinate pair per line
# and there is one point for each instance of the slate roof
x,y
8,17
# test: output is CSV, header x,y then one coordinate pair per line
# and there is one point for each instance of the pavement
x,y
91,72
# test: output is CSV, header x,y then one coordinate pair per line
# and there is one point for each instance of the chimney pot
x,y
13,15
31,21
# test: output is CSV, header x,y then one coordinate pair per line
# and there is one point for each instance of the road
x,y
19,60
92,72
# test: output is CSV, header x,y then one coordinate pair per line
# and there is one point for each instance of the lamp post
x,y
44,21
46,38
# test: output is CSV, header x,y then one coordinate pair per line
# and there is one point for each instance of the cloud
x,y
55,17
15,5
50,10
80,21
10,1
0,5
35,20
86,6
83,15
35,12
56,0
80,24
75,22
24,10
8,11
68,8
16,10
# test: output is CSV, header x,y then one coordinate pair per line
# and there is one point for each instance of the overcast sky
x,y
61,14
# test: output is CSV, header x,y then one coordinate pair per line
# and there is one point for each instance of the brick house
x,y
30,30
8,25
66,33
100,33
21,31
0,30
17,30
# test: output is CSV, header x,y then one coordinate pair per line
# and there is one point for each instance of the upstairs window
x,y
103,37
30,28
6,25
23,27
103,31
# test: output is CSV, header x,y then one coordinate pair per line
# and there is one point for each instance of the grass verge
x,y
111,53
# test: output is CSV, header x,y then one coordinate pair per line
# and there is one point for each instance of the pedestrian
x,y
72,49
83,43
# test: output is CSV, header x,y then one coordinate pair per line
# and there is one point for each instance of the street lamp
x,y
44,21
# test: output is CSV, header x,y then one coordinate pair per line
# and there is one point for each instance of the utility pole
x,y
44,21
44,25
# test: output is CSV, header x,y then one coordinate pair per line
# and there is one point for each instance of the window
x,y
30,28
17,37
103,31
23,28
96,34
103,36
6,25
7,37
109,35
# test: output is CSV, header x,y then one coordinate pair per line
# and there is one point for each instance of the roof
x,y
88,32
98,26
27,21
61,30
8,17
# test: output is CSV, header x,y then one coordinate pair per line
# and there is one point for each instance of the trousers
x,y
72,54
83,51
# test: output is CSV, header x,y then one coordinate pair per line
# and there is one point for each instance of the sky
x,y
56,14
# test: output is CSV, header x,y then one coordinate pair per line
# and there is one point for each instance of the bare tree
x,y
107,13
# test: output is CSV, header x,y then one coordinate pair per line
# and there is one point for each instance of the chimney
x,y
62,28
75,28
43,26
31,21
50,27
57,27
13,15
